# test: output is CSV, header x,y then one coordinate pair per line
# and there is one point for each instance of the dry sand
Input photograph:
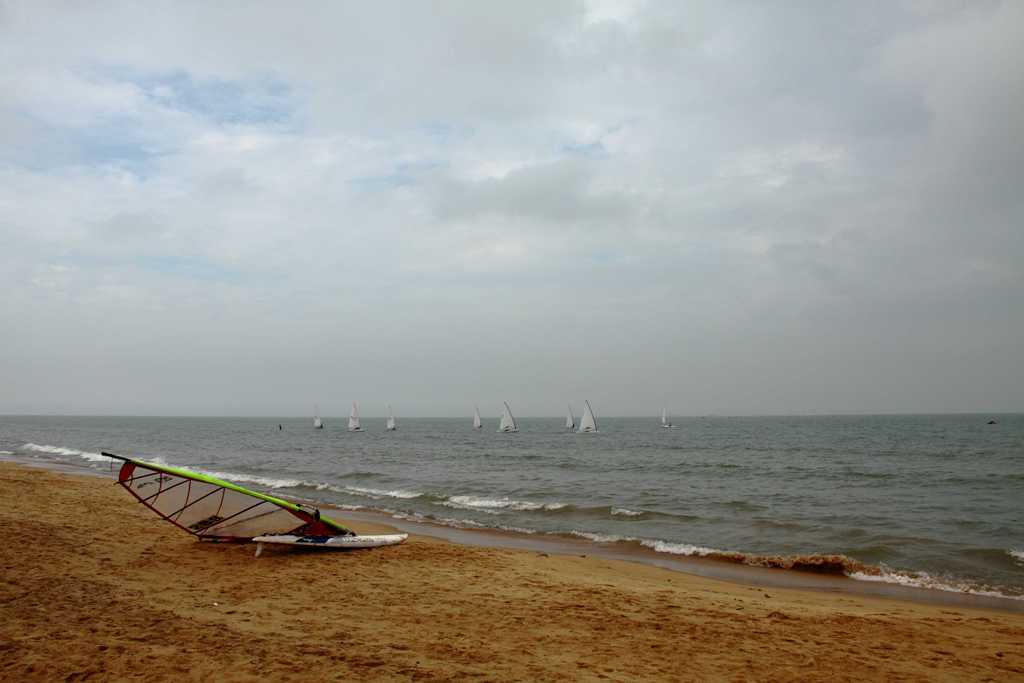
x,y
95,587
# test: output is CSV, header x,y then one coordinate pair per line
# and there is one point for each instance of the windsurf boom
x,y
217,510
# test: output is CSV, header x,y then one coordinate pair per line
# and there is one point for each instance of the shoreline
x,y
565,544
721,570
95,585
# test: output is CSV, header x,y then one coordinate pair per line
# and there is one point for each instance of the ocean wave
x,y
1017,555
603,538
864,474
678,548
623,512
358,473
454,522
926,580
59,450
377,494
822,564
834,564
497,504
741,505
286,483
516,529
6,452
266,482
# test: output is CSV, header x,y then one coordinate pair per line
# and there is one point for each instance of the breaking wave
x,y
276,483
59,450
496,504
603,538
926,580
378,493
1017,555
832,564
266,482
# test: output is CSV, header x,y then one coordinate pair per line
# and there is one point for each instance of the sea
x,y
932,501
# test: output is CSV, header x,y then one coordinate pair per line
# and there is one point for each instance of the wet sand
x,y
94,586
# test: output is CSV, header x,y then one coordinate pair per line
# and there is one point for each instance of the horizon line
x,y
523,417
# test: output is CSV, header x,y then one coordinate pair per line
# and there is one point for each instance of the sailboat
x,y
390,424
665,421
353,419
476,418
508,423
317,422
570,420
588,423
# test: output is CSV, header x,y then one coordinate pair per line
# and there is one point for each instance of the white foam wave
x,y
602,538
654,544
6,452
459,523
59,450
623,512
925,580
497,504
379,493
1016,554
268,482
678,548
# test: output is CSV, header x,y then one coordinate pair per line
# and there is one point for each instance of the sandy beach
x,y
95,587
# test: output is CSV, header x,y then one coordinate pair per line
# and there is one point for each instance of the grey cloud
x,y
799,208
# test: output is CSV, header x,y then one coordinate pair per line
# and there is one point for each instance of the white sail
x,y
665,421
390,425
570,420
476,418
353,419
508,423
588,423
317,422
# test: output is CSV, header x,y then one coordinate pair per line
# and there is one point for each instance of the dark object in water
x,y
992,422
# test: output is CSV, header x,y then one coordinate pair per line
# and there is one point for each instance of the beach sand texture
x,y
95,587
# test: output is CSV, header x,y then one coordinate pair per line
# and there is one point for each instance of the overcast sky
x,y
730,208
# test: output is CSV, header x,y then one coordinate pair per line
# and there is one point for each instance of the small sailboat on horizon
x,y
666,421
353,419
477,424
317,422
570,420
390,425
588,423
508,423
